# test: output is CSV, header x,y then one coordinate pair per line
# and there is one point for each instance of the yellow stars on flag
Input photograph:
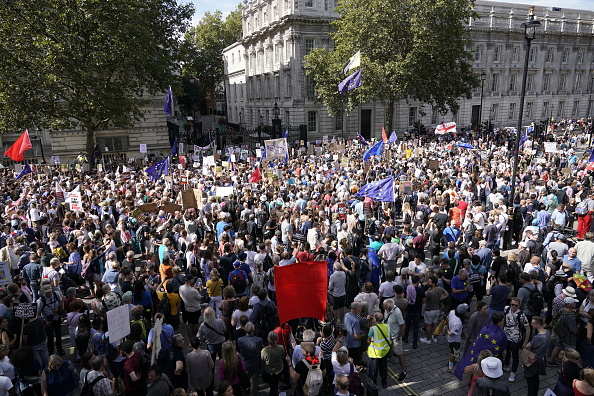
x,y
494,342
487,336
497,348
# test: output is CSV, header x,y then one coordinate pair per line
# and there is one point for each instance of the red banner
x,y
301,290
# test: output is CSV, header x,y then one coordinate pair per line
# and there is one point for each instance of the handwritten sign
x,y
5,277
75,201
118,322
24,310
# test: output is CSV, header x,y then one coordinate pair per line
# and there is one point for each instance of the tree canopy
x,y
410,49
86,64
206,42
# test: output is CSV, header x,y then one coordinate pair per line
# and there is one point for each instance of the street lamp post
x,y
260,130
480,120
38,130
240,120
529,34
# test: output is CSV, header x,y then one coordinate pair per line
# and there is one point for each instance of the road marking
x,y
409,391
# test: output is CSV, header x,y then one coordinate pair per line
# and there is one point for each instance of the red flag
x,y
17,150
256,176
384,135
295,281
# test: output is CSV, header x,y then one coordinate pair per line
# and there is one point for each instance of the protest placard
x,y
118,323
24,310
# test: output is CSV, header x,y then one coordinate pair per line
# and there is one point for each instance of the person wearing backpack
x,y
264,316
307,373
97,382
517,329
566,330
532,299
378,338
239,280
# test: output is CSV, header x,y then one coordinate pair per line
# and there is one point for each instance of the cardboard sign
x,y
136,213
118,322
24,310
188,199
405,188
5,277
171,207
151,207
434,164
566,170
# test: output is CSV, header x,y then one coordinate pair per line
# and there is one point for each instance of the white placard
x,y
118,322
224,191
232,159
143,148
75,200
258,153
335,157
550,147
209,160
5,278
55,159
180,147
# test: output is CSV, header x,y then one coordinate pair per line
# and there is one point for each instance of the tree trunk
x,y
90,143
390,117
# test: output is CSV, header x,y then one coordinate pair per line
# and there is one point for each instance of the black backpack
x,y
535,300
164,306
269,320
267,263
87,389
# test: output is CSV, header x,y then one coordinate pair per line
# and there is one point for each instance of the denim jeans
x,y
215,349
412,319
587,351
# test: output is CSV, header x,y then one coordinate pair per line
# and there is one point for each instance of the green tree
x,y
410,49
205,44
86,64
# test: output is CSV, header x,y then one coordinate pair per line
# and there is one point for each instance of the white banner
x,y
118,323
276,148
550,147
445,128
75,200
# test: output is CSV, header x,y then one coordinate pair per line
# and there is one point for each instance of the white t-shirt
x,y
386,289
5,385
237,314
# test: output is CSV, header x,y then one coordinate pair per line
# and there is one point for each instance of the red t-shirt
x,y
462,205
133,363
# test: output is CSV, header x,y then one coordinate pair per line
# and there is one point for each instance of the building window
x,y
277,54
338,121
512,111
578,81
576,108
530,82
114,143
478,52
546,82
565,57
550,55
580,56
512,81
532,57
309,3
412,115
515,53
277,87
561,109
312,121
259,88
562,81
497,54
288,87
495,111
529,107
495,82
311,88
310,44
235,92
545,110
433,115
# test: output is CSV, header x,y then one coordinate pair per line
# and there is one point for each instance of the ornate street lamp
x,y
276,121
480,120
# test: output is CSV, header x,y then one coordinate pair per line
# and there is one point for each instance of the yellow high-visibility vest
x,y
379,346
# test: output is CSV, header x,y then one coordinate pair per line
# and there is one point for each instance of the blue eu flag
x,y
376,149
492,338
25,171
158,169
380,190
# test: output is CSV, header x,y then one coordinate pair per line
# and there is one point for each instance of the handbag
x,y
441,327
528,358
467,375
244,378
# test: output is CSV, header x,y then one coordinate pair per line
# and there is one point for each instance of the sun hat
x,y
561,274
492,367
569,292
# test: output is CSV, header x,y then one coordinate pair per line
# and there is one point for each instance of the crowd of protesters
x,y
200,282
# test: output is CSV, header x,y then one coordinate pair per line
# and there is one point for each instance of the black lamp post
x,y
529,34
276,121
240,120
38,137
480,120
260,129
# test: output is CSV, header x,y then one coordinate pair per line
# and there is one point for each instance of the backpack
x,y
560,328
535,300
267,263
258,278
582,207
537,248
164,306
269,320
238,282
87,389
356,387
314,381
143,335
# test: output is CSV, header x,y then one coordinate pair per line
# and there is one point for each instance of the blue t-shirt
x,y
352,327
458,284
499,295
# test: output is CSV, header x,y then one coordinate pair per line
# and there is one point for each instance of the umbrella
x,y
465,145
582,282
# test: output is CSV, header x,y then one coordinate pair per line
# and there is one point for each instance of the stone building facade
x,y
266,68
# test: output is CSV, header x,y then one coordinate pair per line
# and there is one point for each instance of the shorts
x,y
431,317
339,302
192,317
397,347
455,349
